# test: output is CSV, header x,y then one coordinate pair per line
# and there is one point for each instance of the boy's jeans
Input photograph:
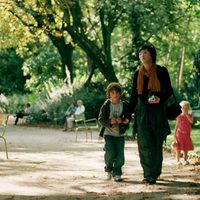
x,y
114,154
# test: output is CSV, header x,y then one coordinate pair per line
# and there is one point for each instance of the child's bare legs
x,y
185,156
178,155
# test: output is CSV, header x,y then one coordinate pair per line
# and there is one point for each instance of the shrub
x,y
45,109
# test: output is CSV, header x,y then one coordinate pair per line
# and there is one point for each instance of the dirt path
x,y
49,164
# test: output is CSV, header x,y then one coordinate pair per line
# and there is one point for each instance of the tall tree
x,y
42,16
98,50
11,74
94,26
57,18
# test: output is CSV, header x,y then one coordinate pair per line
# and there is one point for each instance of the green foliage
x,y
12,103
11,74
42,65
107,31
13,34
46,110
46,107
197,124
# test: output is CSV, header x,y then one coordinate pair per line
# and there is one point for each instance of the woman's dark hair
x,y
151,49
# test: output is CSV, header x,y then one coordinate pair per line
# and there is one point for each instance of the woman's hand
x,y
119,121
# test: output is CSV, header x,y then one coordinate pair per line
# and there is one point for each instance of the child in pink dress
x,y
182,133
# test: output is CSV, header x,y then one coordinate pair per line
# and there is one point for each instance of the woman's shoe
x,y
145,181
152,181
118,178
149,181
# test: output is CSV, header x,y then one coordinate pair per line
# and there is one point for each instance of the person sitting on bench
x,y
79,114
23,112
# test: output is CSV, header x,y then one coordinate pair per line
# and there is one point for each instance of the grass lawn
x,y
195,136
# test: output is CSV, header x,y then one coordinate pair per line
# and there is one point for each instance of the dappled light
x,y
49,164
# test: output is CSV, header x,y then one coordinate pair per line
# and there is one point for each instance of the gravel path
x,y
49,164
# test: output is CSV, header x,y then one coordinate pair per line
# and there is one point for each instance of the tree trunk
x,y
66,53
181,68
91,68
100,56
137,40
95,54
109,74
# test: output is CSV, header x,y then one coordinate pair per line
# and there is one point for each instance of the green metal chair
x,y
3,127
86,125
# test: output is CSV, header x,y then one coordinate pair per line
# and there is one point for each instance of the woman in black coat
x,y
151,89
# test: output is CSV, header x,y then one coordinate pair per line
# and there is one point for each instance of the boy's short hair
x,y
113,86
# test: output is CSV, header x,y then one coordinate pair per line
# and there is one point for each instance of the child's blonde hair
x,y
185,104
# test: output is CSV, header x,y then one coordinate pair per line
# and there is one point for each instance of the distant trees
x,y
100,36
11,74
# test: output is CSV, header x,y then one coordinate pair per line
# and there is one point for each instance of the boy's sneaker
x,y
117,178
109,175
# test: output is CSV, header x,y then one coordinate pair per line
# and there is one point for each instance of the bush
x,y
13,103
197,124
44,109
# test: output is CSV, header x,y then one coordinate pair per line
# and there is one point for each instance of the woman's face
x,y
71,105
145,56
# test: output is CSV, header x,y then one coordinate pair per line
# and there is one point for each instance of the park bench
x,y
3,126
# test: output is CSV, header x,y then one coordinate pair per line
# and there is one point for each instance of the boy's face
x,y
115,96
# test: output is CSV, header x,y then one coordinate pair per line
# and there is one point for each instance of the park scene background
x,y
54,52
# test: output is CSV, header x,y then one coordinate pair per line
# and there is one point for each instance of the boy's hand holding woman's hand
x,y
119,121
115,121
125,121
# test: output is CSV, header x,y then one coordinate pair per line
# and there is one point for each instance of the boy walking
x,y
114,125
